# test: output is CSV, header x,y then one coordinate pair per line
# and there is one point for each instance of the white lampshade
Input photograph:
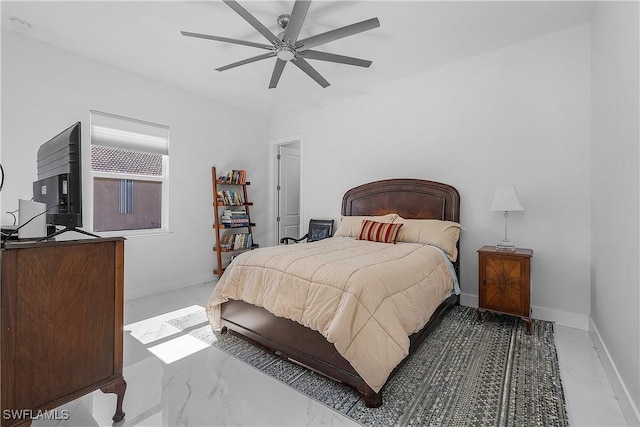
x,y
506,199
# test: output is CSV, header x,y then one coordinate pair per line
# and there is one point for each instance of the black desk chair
x,y
318,229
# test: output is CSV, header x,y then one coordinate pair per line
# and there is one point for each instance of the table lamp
x,y
506,200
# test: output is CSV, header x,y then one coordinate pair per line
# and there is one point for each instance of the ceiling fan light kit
x,y
286,53
286,47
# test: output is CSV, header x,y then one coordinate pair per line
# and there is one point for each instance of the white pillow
x,y
442,234
350,226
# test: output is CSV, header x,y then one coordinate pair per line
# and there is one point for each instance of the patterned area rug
x,y
465,373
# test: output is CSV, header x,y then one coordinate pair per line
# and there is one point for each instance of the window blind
x,y
111,130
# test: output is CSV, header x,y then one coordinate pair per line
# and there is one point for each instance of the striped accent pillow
x,y
379,231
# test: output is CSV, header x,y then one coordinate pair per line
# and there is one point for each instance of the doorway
x,y
288,197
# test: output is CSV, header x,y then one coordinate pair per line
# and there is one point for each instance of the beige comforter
x,y
365,297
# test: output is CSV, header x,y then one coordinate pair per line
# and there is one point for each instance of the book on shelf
x,y
236,242
234,218
230,198
234,176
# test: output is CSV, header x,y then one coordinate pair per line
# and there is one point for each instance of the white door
x,y
288,191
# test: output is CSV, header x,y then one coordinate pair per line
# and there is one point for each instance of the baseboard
x,y
159,288
629,408
562,318
469,300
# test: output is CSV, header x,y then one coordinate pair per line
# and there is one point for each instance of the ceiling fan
x,y
287,48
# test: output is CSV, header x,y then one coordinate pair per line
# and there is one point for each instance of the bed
x,y
259,278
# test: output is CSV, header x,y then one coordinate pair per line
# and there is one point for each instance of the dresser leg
x,y
118,387
480,313
528,321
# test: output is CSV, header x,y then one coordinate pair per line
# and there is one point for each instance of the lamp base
x,y
506,245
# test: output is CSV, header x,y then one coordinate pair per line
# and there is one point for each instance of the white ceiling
x,y
414,36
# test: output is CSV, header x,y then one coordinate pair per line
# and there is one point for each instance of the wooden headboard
x,y
409,198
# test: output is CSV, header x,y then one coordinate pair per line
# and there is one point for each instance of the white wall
x,y
45,89
615,232
518,115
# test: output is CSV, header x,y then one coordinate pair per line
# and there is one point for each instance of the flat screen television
x,y
59,183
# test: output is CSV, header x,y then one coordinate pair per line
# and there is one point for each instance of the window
x,y
129,168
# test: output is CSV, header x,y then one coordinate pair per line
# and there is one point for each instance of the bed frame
x,y
410,198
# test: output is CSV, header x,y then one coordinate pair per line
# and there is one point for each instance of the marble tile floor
x,y
174,379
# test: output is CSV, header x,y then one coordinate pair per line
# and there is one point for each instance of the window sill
x,y
134,233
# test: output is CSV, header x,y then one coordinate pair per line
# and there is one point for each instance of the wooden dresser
x,y
504,284
62,321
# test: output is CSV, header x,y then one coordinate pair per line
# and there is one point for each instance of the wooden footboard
x,y
307,347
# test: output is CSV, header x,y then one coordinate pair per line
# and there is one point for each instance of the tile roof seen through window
x,y
118,160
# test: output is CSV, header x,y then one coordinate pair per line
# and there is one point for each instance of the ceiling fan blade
x,y
299,12
247,61
254,22
225,39
338,33
277,72
331,57
310,71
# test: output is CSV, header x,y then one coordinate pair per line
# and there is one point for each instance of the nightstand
x,y
504,283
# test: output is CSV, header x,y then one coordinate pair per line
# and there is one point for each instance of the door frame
x,y
275,143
